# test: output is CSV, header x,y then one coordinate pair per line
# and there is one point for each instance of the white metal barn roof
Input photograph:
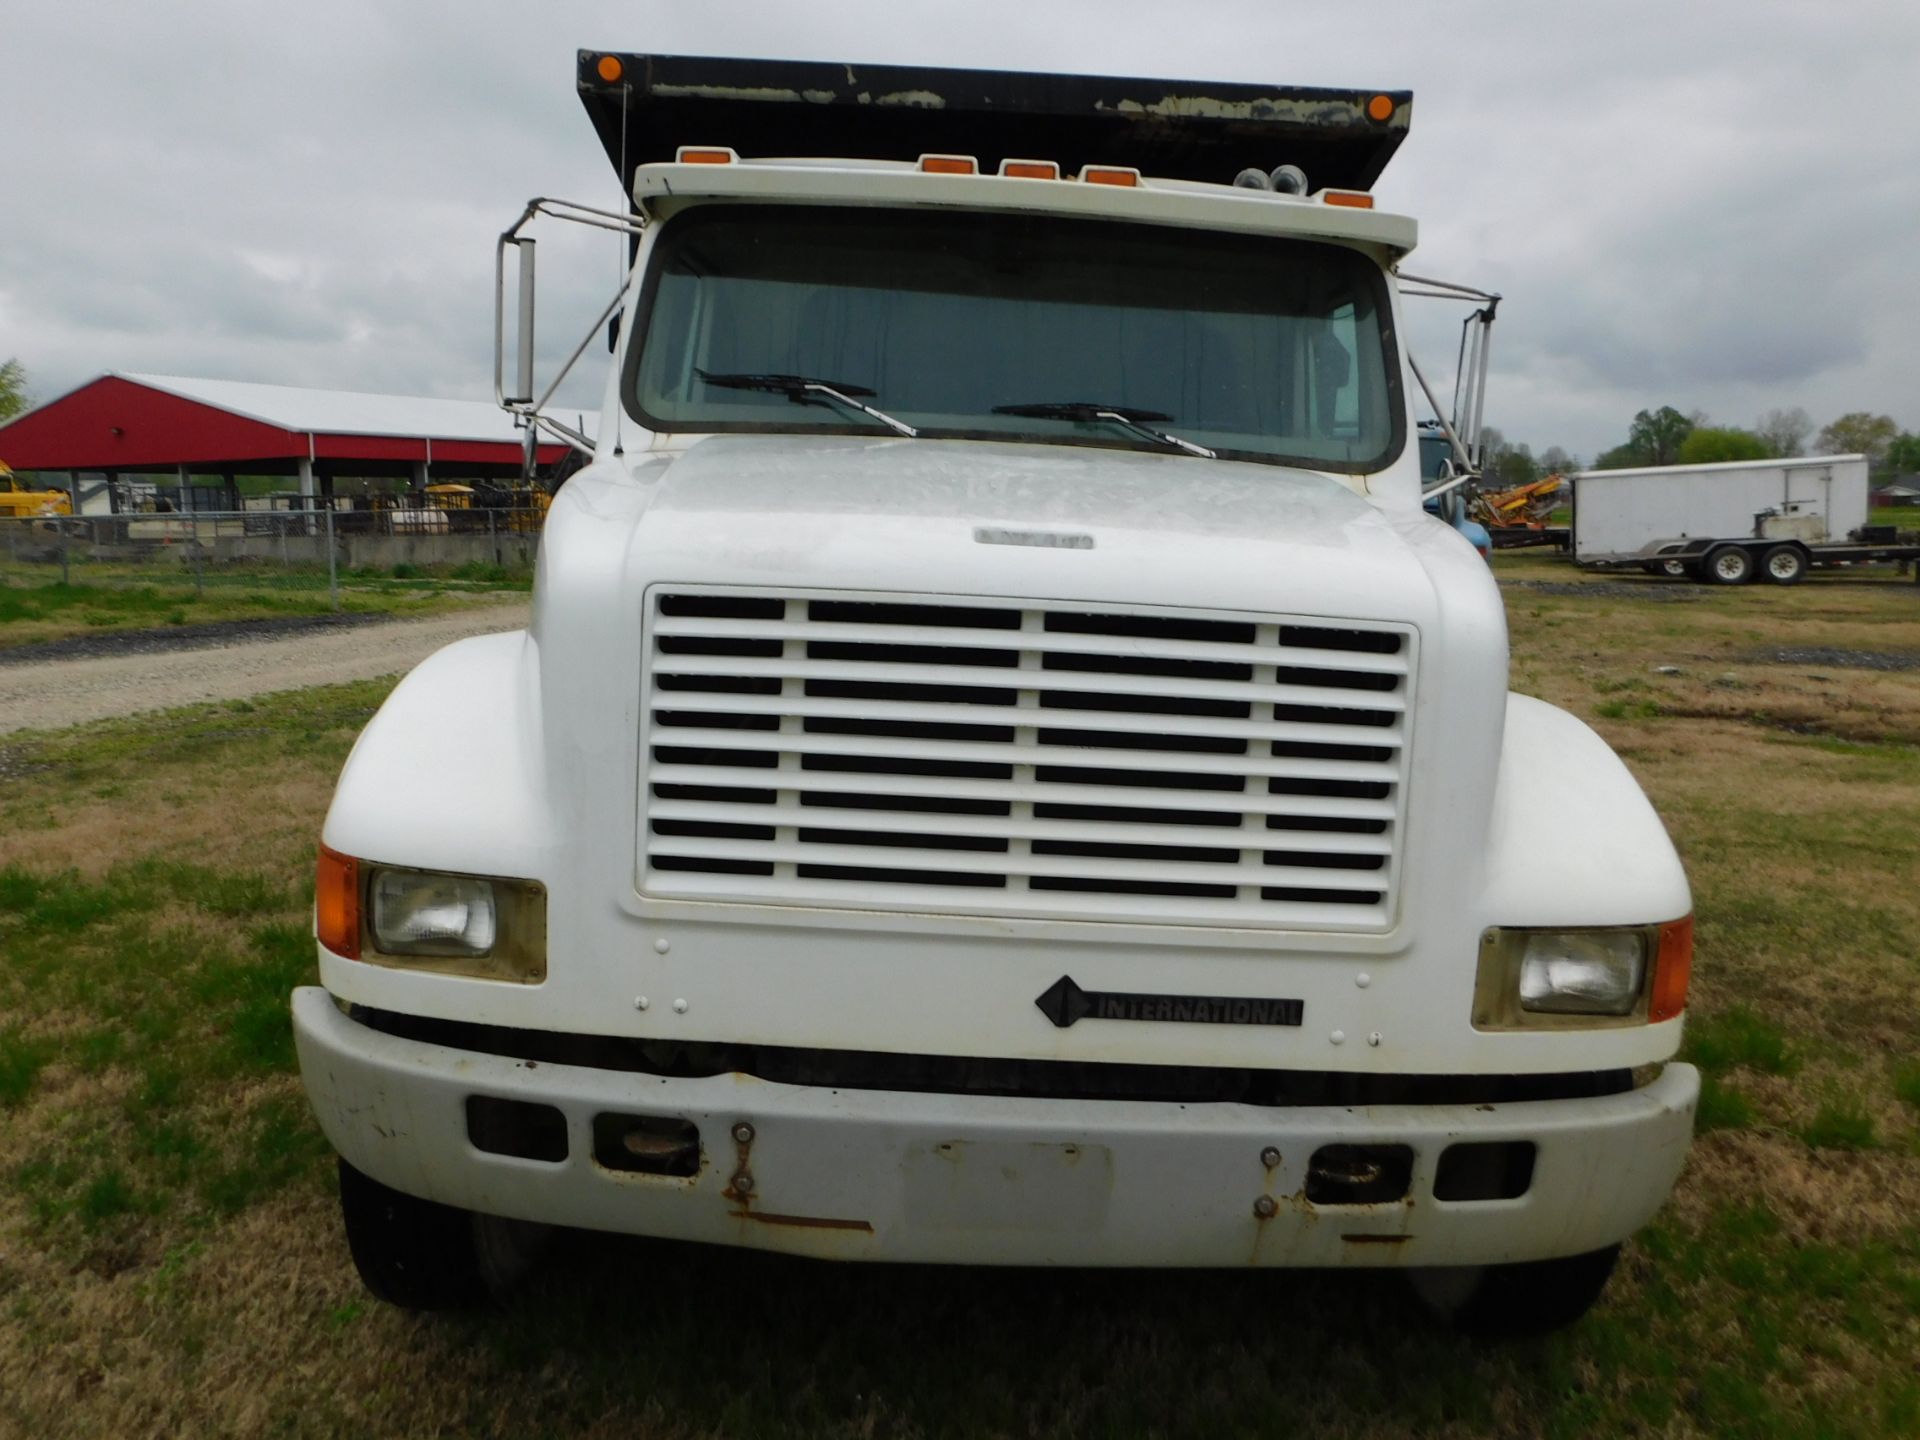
x,y
341,412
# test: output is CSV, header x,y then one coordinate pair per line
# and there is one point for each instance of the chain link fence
x,y
320,546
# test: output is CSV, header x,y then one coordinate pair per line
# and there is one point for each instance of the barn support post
x,y
333,564
306,489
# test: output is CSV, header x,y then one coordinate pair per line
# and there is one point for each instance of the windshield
x,y
1253,346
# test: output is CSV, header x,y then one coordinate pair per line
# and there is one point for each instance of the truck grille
x,y
921,753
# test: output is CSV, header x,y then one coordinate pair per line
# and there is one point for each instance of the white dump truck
x,y
1733,522
1003,769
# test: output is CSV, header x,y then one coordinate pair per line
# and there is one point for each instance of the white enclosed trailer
x,y
1729,523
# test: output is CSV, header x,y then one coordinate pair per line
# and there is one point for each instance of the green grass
x,y
1738,1037
1627,709
1721,1107
1902,517
1840,1125
36,606
170,1261
1906,1082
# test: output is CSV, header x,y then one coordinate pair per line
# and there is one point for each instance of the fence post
x,y
63,550
333,563
493,540
198,587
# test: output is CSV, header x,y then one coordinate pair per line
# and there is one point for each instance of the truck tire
x,y
1728,565
1528,1298
421,1255
1784,565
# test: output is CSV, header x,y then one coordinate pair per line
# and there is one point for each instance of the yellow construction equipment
x,y
16,500
1523,507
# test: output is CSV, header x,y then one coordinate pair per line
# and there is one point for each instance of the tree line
x,y
1667,437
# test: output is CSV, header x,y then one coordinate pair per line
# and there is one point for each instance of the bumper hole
x,y
1359,1174
1485,1170
518,1128
646,1144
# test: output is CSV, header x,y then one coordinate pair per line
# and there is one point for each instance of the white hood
x,y
969,517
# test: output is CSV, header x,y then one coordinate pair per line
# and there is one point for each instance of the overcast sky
x,y
1713,204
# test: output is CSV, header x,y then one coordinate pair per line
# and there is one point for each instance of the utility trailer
x,y
1003,767
1729,523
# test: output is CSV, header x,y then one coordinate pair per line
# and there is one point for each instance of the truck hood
x,y
960,517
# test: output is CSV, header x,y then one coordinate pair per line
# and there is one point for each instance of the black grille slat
x,y
1134,740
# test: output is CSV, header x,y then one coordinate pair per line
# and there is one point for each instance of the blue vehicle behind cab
x,y
1435,452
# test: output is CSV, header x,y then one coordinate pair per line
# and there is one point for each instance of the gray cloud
x,y
1706,205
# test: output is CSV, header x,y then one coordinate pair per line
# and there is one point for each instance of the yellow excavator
x,y
17,501
1524,507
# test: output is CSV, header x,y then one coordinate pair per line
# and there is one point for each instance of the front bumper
x,y
892,1175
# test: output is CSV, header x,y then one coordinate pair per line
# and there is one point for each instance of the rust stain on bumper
x,y
805,1222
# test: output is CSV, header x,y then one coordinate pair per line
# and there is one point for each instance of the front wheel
x,y
1784,565
1528,1298
1729,565
421,1255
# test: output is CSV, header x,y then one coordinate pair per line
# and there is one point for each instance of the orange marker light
x,y
1672,969
1353,199
1380,107
336,903
1109,175
949,165
610,69
698,155
1031,169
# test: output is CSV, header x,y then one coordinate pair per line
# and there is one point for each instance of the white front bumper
x,y
891,1175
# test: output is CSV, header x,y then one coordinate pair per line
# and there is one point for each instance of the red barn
x,y
164,425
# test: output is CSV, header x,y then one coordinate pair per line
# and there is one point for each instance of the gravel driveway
x,y
52,694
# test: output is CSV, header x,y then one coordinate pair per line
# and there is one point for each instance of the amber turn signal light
x,y
336,903
1031,169
1353,199
1672,970
610,69
949,165
1109,175
1380,107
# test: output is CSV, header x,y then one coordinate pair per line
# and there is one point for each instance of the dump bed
x,y
646,106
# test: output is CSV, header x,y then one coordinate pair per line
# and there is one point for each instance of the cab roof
x,y
645,107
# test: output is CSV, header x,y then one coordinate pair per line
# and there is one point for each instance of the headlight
x,y
1561,979
1599,973
416,913
481,926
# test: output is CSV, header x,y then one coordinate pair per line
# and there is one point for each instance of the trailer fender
x,y
1573,839
448,773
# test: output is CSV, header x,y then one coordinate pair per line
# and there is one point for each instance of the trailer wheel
x,y
1673,565
421,1255
1784,565
1729,565
1528,1298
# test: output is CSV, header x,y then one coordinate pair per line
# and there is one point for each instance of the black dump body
x,y
1180,129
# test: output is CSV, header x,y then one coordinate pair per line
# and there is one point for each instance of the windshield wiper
x,y
801,389
1129,418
